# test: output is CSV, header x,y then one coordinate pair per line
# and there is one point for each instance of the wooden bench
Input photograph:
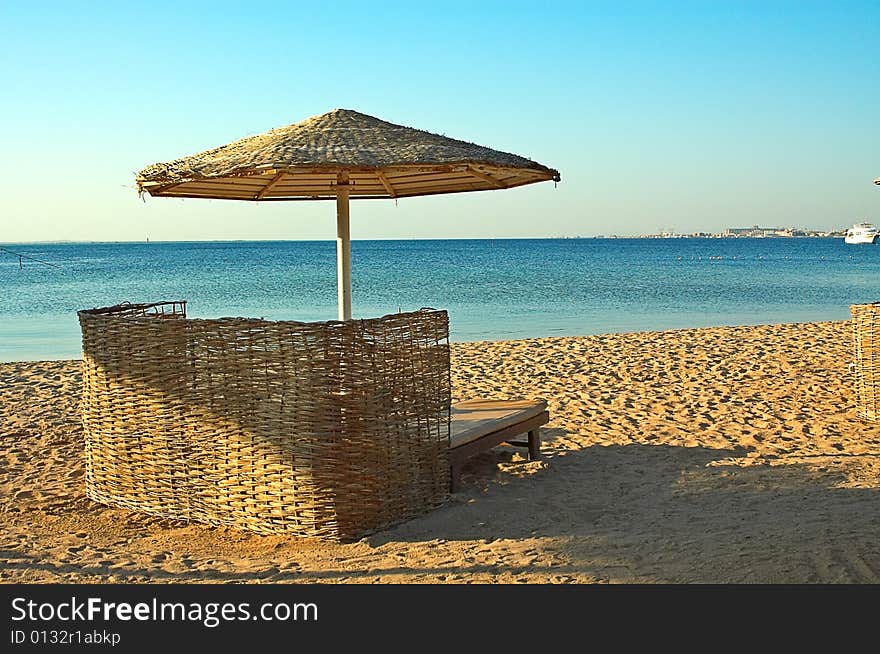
x,y
479,425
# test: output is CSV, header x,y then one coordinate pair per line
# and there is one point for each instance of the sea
x,y
493,289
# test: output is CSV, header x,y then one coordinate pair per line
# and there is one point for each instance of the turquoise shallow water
x,y
493,289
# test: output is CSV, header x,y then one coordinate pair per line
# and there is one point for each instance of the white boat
x,y
861,233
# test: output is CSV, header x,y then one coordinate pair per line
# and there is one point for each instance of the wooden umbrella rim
x,y
374,182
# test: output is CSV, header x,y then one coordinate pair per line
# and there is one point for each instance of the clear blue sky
x,y
659,115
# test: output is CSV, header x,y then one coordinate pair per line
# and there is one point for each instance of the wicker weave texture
x,y
866,344
330,430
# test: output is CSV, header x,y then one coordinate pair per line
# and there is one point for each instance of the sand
x,y
723,455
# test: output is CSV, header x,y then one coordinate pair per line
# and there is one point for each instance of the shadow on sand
x,y
632,513
657,513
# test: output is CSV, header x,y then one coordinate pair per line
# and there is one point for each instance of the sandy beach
x,y
721,455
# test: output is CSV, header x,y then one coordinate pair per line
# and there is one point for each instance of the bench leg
x,y
454,477
535,444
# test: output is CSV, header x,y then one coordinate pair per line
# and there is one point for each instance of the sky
x,y
660,116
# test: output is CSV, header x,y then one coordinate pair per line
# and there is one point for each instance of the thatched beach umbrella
x,y
340,155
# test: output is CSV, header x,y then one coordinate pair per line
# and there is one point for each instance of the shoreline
x,y
701,455
530,338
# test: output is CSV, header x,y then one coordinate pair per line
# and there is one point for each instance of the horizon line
x,y
713,236
308,240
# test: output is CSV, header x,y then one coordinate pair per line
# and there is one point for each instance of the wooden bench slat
x,y
479,425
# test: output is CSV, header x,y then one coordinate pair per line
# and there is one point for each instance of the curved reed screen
x,y
866,341
327,429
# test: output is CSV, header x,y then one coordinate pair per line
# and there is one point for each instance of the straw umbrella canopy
x,y
340,155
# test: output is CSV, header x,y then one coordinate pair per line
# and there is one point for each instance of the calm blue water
x,y
493,289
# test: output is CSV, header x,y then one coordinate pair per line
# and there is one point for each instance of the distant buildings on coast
x,y
754,231
785,232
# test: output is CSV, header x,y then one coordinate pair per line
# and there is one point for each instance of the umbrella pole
x,y
343,248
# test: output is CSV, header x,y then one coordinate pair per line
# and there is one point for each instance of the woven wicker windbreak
x,y
328,429
866,343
